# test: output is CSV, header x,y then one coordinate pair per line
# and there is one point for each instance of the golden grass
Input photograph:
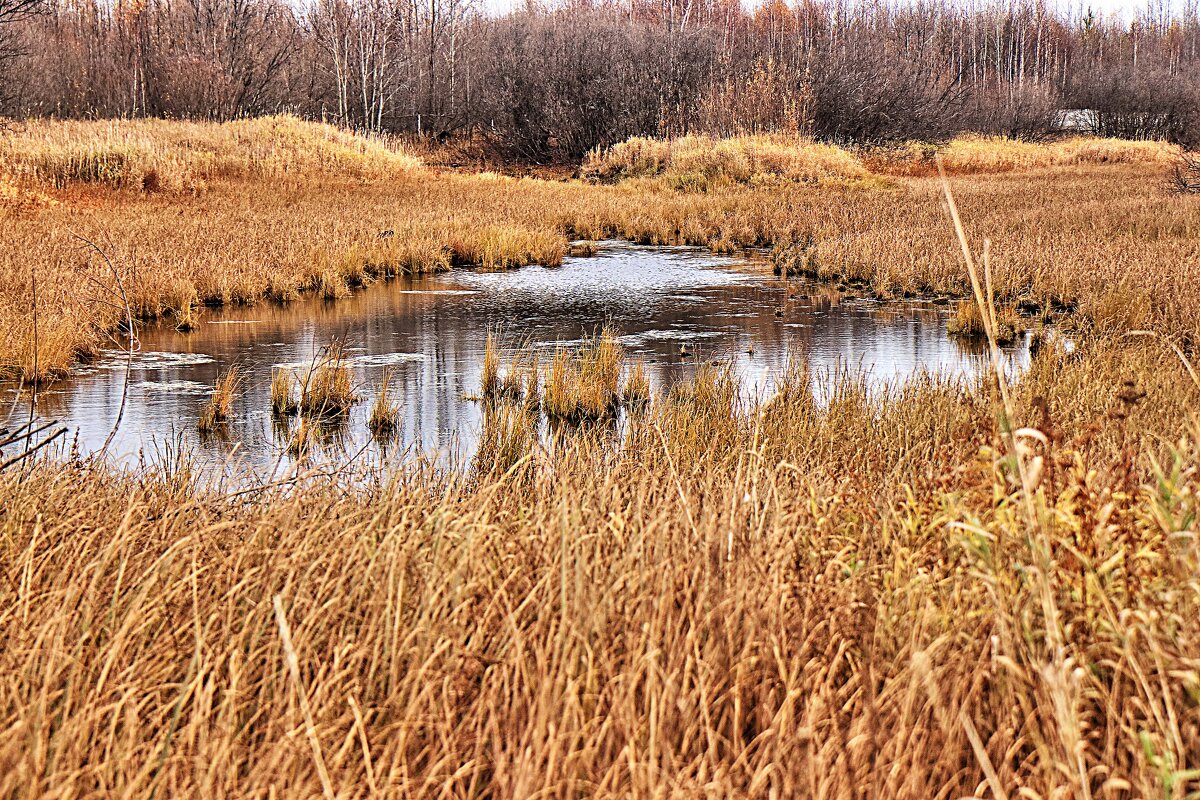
x,y
1111,245
937,590
792,599
385,411
967,321
972,155
697,163
168,156
220,404
583,384
636,392
283,397
327,390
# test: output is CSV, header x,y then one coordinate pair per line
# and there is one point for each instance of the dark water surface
x,y
432,330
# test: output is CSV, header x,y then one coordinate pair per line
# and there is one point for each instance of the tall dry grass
x,y
703,162
170,156
793,598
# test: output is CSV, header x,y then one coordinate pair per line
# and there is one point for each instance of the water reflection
x,y
674,307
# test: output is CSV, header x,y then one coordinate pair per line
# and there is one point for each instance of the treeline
x,y
547,82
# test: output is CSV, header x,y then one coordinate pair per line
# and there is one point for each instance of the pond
x,y
672,307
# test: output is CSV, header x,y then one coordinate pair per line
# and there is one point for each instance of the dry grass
x,y
940,590
583,384
1111,244
165,156
797,599
385,411
636,392
968,322
973,155
697,163
283,397
327,390
220,404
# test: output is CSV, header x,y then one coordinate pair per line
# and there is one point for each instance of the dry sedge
x,y
283,398
385,412
327,391
967,321
219,406
637,386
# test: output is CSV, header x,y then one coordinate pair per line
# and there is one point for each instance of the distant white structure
x,y
1076,120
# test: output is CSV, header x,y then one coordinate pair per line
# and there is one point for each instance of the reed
x,y
327,391
967,321
489,379
220,404
283,397
561,386
636,393
385,412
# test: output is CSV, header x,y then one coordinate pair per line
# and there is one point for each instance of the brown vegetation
x,y
937,590
1110,243
799,598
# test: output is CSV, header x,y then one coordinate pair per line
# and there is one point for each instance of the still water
x,y
673,307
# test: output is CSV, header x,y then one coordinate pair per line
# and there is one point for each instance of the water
x,y
672,306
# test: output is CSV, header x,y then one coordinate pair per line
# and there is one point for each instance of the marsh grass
x,y
699,163
170,156
584,384
385,411
863,569
327,389
217,410
283,392
1109,239
967,321
636,392
937,589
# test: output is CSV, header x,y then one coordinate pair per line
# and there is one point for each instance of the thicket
x,y
552,82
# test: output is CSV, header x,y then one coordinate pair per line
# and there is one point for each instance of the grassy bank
x,y
1094,234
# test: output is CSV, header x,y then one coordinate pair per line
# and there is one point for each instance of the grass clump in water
x,y
967,322
385,412
283,398
328,390
219,406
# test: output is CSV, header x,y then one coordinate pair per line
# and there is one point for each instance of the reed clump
x,y
327,390
967,321
283,392
220,404
385,411
584,384
636,392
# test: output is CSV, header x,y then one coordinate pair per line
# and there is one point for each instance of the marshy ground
x,y
956,588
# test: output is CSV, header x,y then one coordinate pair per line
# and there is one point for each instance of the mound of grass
x,y
169,156
973,154
696,163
